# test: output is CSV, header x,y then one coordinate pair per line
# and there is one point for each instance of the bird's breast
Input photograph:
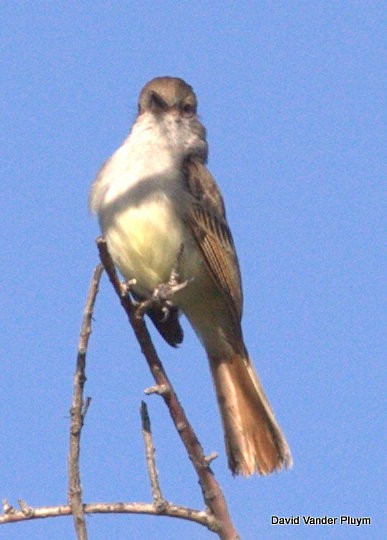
x,y
145,240
140,200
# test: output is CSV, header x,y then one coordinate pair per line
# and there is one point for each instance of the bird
x,y
162,215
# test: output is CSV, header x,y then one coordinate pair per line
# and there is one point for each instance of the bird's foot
x,y
127,286
163,294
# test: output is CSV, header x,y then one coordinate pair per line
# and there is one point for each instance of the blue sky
x,y
292,97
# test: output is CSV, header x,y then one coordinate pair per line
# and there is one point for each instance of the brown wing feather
x,y
207,221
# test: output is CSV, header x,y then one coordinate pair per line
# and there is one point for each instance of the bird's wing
x,y
207,220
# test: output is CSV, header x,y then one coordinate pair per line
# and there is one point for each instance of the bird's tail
x,y
254,440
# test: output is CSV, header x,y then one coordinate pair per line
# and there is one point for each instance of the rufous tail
x,y
254,440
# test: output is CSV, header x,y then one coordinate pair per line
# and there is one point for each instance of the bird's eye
x,y
188,109
156,102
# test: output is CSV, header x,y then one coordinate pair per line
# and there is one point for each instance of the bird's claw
x,y
126,286
163,294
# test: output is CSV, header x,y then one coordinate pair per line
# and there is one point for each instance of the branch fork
x,y
215,515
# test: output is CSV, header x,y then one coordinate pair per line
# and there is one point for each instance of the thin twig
x,y
78,411
171,510
212,492
158,499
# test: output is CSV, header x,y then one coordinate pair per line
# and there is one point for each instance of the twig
x,y
158,499
171,510
212,492
79,408
78,411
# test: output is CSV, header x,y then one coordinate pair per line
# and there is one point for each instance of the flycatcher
x,y
163,218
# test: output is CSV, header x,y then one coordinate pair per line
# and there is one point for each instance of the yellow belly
x,y
144,242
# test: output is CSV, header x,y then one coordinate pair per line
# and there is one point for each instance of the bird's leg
x,y
163,293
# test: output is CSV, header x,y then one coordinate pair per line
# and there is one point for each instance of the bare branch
x,y
215,517
158,499
170,510
211,457
78,411
157,389
211,490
